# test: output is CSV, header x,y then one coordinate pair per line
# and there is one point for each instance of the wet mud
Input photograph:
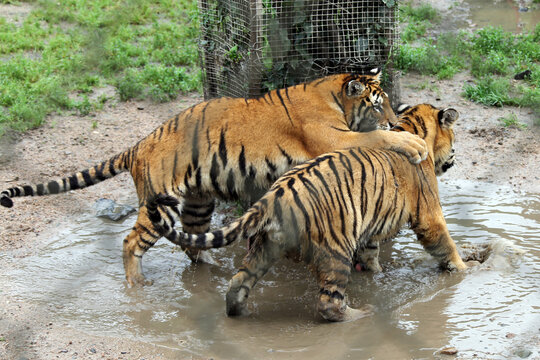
x,y
514,16
78,276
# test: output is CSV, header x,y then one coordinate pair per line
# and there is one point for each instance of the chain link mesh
x,y
251,46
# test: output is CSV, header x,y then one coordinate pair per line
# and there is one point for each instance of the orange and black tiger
x,y
335,209
234,148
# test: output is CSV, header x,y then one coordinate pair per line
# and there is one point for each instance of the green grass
x,y
491,55
418,19
59,55
511,120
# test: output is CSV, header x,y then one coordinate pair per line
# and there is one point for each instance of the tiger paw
x,y
236,302
355,314
138,280
410,145
472,263
452,266
345,313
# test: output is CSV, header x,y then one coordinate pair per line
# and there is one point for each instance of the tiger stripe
x,y
341,205
235,149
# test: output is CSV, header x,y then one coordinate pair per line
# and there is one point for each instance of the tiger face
x,y
374,111
443,134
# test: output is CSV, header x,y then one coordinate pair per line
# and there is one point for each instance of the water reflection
x,y
514,16
80,279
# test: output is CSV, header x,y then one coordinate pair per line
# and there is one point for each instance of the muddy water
x,y
511,15
79,277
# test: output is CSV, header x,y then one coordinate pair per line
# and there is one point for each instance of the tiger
x,y
334,210
235,148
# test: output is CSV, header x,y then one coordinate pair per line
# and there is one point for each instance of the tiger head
x,y
435,126
365,104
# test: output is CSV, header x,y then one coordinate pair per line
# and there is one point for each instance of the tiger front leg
x,y
433,234
262,255
333,276
410,145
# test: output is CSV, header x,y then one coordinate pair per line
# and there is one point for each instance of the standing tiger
x,y
337,207
234,148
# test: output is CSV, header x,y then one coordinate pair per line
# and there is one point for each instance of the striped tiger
x,y
235,148
335,209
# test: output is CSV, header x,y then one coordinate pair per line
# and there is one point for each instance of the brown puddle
x,y
80,278
515,16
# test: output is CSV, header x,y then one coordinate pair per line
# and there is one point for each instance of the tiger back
x,y
337,207
232,148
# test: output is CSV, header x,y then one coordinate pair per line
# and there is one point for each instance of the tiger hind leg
x,y
333,276
262,255
195,217
141,238
368,256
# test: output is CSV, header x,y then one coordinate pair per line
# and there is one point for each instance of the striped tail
x,y
82,179
246,226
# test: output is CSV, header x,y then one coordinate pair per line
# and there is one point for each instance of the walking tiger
x,y
233,148
335,209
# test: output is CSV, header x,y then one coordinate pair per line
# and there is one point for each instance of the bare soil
x,y
486,152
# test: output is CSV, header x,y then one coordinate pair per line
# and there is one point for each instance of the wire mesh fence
x,y
251,46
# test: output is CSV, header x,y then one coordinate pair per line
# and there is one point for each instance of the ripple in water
x,y
79,277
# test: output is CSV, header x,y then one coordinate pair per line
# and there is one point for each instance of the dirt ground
x,y
486,152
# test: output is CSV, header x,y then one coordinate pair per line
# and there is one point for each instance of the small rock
x,y
448,351
523,353
510,336
111,210
92,350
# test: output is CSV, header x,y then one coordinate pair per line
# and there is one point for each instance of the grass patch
x,y
492,55
511,120
490,91
418,19
146,49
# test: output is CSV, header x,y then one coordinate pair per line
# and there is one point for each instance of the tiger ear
x,y
355,88
402,108
448,117
376,72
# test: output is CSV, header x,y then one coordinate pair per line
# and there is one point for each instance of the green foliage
x,y
511,120
418,19
490,91
491,39
423,12
60,53
495,62
84,106
492,55
166,82
428,59
130,86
